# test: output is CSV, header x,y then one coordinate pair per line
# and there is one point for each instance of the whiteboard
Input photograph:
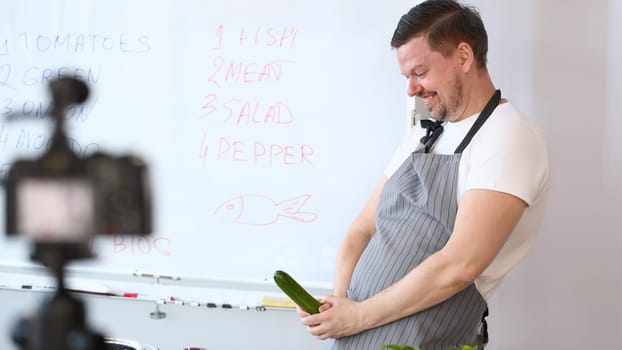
x,y
265,123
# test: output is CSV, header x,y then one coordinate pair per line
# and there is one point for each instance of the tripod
x,y
60,322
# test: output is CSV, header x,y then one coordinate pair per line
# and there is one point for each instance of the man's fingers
x,y
325,307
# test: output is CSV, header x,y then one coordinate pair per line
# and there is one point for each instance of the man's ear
x,y
465,56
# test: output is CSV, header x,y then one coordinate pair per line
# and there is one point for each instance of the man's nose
x,y
413,87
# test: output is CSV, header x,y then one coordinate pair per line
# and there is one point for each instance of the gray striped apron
x,y
415,218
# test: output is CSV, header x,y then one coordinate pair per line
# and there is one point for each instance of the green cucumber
x,y
295,292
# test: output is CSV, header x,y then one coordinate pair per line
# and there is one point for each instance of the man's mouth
x,y
427,98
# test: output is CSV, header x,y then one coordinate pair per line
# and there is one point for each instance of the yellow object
x,y
278,302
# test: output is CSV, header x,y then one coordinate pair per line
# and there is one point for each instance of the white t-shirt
x,y
508,154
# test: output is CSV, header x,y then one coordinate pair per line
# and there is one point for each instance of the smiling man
x,y
456,209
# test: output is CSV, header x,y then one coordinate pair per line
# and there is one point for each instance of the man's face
x,y
433,78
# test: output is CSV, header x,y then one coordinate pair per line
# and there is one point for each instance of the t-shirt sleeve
x,y
508,155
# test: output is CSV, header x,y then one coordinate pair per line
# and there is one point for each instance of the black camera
x,y
60,202
63,203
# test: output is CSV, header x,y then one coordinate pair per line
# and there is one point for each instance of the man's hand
x,y
338,317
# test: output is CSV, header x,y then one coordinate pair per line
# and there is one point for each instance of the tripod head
x,y
60,322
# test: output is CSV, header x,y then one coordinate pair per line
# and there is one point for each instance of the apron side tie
x,y
483,332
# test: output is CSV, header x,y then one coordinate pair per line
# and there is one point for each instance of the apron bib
x,y
415,218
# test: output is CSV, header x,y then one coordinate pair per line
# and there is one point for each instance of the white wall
x,y
613,143
560,62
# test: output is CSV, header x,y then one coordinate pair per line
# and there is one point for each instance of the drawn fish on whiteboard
x,y
256,209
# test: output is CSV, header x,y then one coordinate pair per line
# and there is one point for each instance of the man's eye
x,y
419,74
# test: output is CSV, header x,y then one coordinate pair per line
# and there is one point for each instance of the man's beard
x,y
449,110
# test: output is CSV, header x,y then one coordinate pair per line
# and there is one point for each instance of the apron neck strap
x,y
483,116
